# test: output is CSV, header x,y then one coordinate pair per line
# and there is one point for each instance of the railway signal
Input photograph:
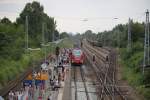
x,y
93,58
57,51
81,44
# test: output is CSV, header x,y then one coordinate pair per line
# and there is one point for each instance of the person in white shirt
x,y
19,95
11,95
49,97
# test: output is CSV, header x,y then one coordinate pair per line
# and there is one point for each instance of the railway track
x,y
104,50
80,85
101,75
75,83
105,72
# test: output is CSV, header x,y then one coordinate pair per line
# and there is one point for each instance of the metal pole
x,y
53,36
43,40
129,36
147,13
53,30
118,37
43,33
26,38
146,43
144,62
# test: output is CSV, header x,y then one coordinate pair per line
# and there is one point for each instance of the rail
x,y
105,75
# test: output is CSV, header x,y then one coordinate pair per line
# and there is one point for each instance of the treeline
x,y
118,36
132,61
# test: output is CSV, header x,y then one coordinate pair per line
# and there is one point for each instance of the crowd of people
x,y
62,61
17,95
24,94
27,92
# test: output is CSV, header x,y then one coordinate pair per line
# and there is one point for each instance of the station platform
x,y
65,90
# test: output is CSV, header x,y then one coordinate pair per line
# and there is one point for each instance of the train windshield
x,y
77,52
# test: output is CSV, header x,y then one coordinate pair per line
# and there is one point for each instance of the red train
x,y
77,56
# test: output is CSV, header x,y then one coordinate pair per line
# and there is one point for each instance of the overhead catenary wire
x,y
94,18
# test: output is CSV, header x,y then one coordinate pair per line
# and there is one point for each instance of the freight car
x,y
95,43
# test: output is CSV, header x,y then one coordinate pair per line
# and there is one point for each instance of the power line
x,y
87,18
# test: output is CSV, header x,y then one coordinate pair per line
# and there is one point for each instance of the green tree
x,y
56,35
36,18
64,35
5,21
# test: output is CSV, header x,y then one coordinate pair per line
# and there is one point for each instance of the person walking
x,y
49,97
59,78
93,58
11,95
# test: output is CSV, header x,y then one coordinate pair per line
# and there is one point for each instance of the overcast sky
x,y
71,14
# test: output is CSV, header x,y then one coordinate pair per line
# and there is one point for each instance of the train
x,y
95,43
77,56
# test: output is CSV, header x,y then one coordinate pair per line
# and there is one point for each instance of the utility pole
x,y
43,39
119,40
101,39
129,35
118,37
26,36
147,13
146,42
53,35
53,30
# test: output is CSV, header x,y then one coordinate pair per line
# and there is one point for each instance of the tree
x,y
64,35
56,35
4,41
34,11
5,21
11,41
36,18
90,35
50,27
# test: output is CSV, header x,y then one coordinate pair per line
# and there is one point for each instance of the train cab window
x,y
77,52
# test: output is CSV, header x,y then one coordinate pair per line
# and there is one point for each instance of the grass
x,y
67,43
10,69
132,72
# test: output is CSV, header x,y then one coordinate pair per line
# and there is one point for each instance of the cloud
x,y
12,1
12,16
12,8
